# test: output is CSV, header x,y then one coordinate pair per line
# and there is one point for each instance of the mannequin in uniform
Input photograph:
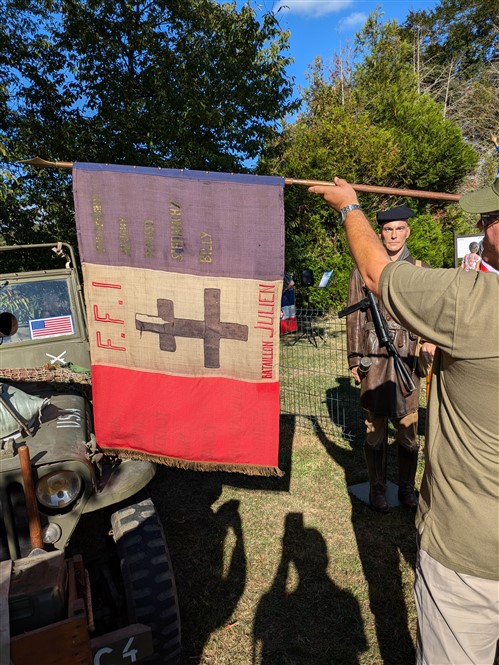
x,y
383,395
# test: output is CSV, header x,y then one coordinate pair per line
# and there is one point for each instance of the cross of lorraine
x,y
211,330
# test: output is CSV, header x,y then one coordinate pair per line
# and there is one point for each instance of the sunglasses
x,y
489,218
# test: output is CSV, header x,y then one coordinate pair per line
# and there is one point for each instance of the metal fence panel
x,y
316,384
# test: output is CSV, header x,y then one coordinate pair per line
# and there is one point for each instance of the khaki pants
x,y
407,429
458,615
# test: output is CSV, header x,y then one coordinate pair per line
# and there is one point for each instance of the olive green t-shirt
x,y
458,512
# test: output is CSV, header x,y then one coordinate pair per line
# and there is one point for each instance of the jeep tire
x,y
148,578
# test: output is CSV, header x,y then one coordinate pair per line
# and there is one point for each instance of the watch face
x,y
344,211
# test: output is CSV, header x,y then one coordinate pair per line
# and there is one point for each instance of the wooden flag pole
x,y
372,189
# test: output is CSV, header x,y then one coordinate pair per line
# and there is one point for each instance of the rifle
x,y
383,335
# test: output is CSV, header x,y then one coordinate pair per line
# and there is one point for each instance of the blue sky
x,y
324,27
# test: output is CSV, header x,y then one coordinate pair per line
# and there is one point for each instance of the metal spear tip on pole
x,y
43,163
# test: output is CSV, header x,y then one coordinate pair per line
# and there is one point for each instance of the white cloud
x,y
312,8
355,20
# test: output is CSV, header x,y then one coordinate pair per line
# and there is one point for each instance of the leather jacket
x,y
382,391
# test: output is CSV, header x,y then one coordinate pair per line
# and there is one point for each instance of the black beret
x,y
394,215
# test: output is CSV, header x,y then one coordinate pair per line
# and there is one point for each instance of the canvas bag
x,y
27,407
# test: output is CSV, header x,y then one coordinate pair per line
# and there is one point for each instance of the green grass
x,y
289,570
294,570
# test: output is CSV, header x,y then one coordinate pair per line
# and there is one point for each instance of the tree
x,y
460,31
185,84
331,139
369,126
433,152
456,61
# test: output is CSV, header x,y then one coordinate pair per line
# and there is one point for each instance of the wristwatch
x,y
344,211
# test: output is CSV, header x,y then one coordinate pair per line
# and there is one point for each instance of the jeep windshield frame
x,y
48,305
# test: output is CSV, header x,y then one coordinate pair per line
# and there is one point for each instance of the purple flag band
x,y
54,326
182,174
184,222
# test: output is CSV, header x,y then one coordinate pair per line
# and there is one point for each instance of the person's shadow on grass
x,y
209,583
381,540
304,617
198,535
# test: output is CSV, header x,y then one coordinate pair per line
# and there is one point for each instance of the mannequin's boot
x,y
376,468
408,462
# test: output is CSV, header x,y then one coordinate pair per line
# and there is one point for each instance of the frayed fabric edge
x,y
192,465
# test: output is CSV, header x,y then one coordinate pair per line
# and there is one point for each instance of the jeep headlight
x,y
58,489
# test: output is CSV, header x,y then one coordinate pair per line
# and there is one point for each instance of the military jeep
x,y
85,574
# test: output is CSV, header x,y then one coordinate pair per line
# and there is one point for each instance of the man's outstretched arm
x,y
365,247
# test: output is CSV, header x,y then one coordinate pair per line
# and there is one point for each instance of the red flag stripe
x,y
210,419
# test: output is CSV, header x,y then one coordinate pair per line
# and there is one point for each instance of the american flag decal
x,y
53,326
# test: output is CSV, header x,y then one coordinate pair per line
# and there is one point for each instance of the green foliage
x,y
192,84
7,179
334,142
195,84
387,59
39,208
318,250
463,31
371,126
426,241
433,152
373,129
456,47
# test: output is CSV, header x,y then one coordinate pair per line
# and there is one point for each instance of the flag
x,y
183,280
288,308
53,326
288,319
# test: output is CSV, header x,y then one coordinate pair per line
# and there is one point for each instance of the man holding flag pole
x,y
456,587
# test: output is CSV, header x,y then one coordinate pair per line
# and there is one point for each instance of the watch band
x,y
344,211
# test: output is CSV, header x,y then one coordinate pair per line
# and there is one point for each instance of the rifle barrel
x,y
362,304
